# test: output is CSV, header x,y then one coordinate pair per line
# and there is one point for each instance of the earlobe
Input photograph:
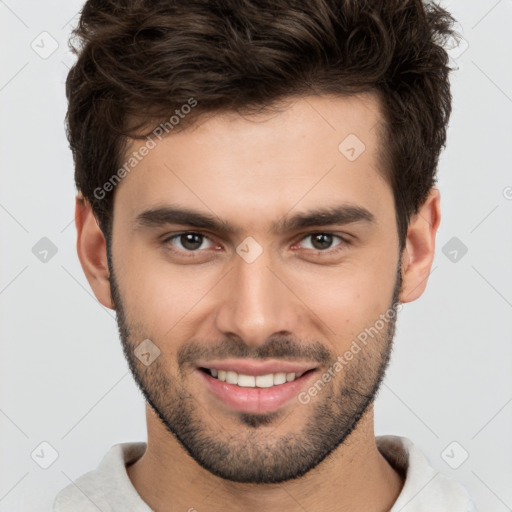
x,y
92,251
420,247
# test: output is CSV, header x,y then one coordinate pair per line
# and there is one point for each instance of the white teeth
x,y
246,381
279,378
249,381
265,381
232,378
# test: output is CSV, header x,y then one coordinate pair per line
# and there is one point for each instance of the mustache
x,y
275,348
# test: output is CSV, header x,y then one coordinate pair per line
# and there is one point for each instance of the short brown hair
x,y
143,59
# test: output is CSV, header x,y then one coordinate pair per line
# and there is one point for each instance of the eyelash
x,y
344,242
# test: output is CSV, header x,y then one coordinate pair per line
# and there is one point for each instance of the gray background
x,y
63,378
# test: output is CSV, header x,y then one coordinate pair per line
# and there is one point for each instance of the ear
x,y
418,254
92,251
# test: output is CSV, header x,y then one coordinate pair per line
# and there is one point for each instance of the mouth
x,y
253,381
255,387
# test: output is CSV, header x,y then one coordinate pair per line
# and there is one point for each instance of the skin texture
x,y
295,301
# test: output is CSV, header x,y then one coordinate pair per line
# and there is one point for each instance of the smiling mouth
x,y
251,381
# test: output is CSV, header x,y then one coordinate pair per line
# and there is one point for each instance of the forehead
x,y
318,149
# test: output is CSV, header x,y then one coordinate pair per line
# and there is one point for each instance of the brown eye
x,y
188,242
321,241
191,241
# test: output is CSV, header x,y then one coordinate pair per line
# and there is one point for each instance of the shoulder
x,y
425,488
101,488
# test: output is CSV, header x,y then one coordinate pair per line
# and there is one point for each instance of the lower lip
x,y
256,400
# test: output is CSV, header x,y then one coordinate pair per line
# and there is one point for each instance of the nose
x,y
256,302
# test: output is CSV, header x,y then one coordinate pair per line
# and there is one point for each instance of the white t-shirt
x,y
109,488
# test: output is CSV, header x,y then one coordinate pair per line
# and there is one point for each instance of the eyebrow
x,y
335,215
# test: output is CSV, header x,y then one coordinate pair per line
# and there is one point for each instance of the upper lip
x,y
255,368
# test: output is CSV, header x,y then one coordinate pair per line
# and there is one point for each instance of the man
x,y
255,201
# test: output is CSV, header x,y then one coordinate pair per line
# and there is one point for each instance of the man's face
x,y
264,296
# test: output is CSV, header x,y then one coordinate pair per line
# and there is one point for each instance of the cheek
x,y
162,297
352,297
350,305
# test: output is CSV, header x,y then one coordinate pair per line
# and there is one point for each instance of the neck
x,y
355,477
